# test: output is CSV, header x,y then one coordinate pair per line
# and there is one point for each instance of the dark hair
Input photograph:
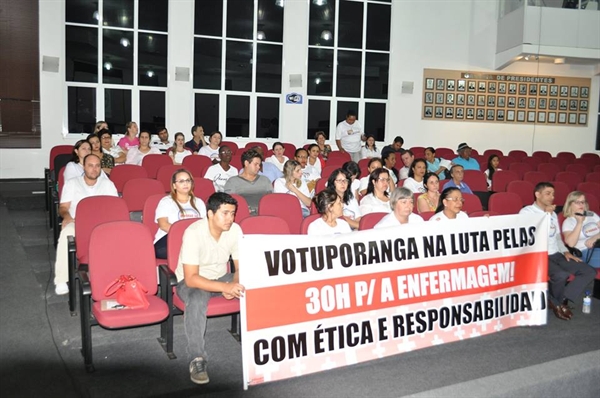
x,y
331,184
374,160
374,142
74,156
445,193
411,172
320,133
324,200
351,112
220,198
147,132
298,151
491,170
194,127
173,192
374,176
409,152
161,129
385,156
311,146
174,147
215,132
277,143
399,139
249,155
430,149
352,168
103,132
426,178
541,186
90,136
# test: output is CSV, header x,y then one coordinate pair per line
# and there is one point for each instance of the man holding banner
x,y
561,263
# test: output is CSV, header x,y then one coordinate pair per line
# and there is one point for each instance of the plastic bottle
x,y
587,303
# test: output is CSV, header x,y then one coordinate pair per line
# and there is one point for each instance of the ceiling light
x,y
107,65
559,61
150,73
279,3
96,15
317,80
526,57
326,35
260,35
319,2
125,42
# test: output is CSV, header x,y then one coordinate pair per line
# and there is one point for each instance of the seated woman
x,y
581,228
178,151
308,173
451,203
377,200
314,162
353,170
221,172
107,162
370,150
429,200
136,154
292,183
401,203
492,167
374,164
415,181
329,206
212,149
435,165
108,148
74,168
324,148
389,163
278,158
178,205
130,139
339,180
457,174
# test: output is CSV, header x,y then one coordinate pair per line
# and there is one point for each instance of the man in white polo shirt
x,y
349,135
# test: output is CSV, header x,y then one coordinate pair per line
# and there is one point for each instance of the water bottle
x,y
587,303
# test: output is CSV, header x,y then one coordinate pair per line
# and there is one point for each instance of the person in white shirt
x,y
74,190
136,154
340,180
308,173
374,164
402,204
292,183
212,149
353,170
162,143
74,168
414,182
349,136
314,162
581,228
278,158
329,206
109,148
221,172
492,167
377,199
180,204
370,150
451,203
178,151
561,263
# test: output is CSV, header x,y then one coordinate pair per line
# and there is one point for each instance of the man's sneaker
x,y
61,288
198,372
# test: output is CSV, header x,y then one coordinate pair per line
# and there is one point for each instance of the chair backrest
x,y
501,178
338,158
363,165
533,161
472,203
152,162
517,154
236,161
588,161
561,191
426,215
570,156
196,164
476,180
175,239
535,177
474,152
165,173
282,205
60,180
121,248
268,225
58,150
562,163
232,145
445,153
251,144
242,208
61,161
306,222
593,177
137,190
91,212
203,188
121,174
489,152
321,185
593,202
505,203
520,168
289,150
149,212
368,221
589,186
550,169
543,155
328,169
596,168
577,168
593,156
570,177
522,188
505,160
483,213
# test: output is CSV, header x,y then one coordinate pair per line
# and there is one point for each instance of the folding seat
x,y
149,212
593,202
535,177
418,152
520,168
592,156
236,161
153,162
550,169
593,177
337,158
242,208
569,156
125,172
117,248
328,169
589,163
306,222
517,154
589,186
562,163
501,178
282,205
534,161
232,145
505,203
578,168
49,172
596,168
267,225
445,153
363,164
165,173
203,188
269,153
196,164
488,152
472,203
543,155
561,191
476,180
524,189
368,221
217,306
504,162
135,193
262,145
570,177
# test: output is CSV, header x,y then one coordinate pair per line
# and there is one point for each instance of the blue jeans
x,y
194,318
594,260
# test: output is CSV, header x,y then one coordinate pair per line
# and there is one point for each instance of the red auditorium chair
x,y
593,177
153,162
321,184
589,186
505,203
472,203
427,215
543,155
203,188
368,221
578,168
501,178
266,225
570,177
488,152
251,144
445,153
149,212
476,180
592,156
550,169
49,172
524,189
135,193
119,175
242,209
282,205
518,154
337,158
534,161
505,161
306,222
588,162
562,163
232,145
561,191
520,168
289,150
535,177
568,156
196,164
363,164
593,202
328,169
165,173
474,152
236,161
483,213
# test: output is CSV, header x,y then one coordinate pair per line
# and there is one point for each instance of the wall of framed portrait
x,y
464,96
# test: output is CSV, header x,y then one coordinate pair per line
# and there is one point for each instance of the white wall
x,y
457,35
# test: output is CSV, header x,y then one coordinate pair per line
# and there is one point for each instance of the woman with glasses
x,y
292,183
450,206
136,154
429,200
401,203
278,158
416,175
108,148
107,162
340,181
221,172
377,199
581,228
178,205
329,206
178,151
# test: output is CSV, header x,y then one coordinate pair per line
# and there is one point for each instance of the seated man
x,y
407,159
249,183
221,172
464,158
395,146
202,272
561,263
197,140
267,169
457,174
74,190
162,143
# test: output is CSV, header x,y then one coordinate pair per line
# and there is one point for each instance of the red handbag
x,y
130,292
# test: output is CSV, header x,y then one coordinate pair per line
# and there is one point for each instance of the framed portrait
x,y
522,89
440,84
542,103
553,90
531,116
491,87
583,105
428,112
533,89
585,92
481,87
583,118
541,117
572,105
543,89
500,115
551,117
471,99
501,88
552,104
429,84
480,114
449,112
512,88
429,98
510,115
460,99
491,100
439,112
450,99
481,100
572,118
564,91
512,102
470,113
439,98
461,85
520,116
501,101
490,114
460,113
531,104
471,85
522,102
574,91
562,105
562,117
450,84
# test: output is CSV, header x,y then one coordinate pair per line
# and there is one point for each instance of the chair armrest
x,y
71,243
84,283
166,275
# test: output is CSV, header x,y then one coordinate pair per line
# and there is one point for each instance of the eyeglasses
x,y
344,181
227,152
580,202
456,199
186,181
383,179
